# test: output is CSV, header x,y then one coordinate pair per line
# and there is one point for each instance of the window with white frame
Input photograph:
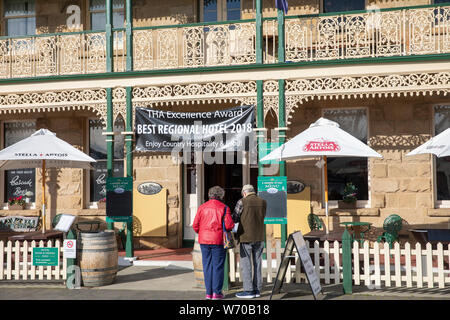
x,y
97,150
342,170
20,17
442,165
19,182
220,10
342,6
97,14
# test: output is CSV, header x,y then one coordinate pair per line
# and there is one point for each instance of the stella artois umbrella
x,y
324,139
438,145
43,150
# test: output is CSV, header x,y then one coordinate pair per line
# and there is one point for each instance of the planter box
x,y
15,207
346,205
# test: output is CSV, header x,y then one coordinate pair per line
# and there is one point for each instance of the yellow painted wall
x,y
298,208
150,214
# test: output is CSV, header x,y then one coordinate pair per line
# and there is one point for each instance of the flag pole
x,y
43,196
326,192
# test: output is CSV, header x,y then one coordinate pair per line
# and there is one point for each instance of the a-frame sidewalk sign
x,y
296,240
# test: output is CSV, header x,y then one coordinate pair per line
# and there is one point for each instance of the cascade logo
x,y
313,146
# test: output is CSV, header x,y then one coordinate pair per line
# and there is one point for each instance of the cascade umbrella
x,y
438,145
43,150
323,139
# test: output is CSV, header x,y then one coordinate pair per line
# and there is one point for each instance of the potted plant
x,y
101,204
349,197
16,203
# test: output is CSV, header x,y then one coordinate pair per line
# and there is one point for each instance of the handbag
x,y
228,241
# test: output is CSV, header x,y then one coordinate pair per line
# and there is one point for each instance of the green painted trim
x,y
281,140
129,128
109,36
109,142
259,32
346,262
260,118
281,36
109,128
129,34
107,75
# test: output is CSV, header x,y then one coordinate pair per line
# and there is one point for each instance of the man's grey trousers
x,y
248,252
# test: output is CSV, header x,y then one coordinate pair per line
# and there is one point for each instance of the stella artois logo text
x,y
314,146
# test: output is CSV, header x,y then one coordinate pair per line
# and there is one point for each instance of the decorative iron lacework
x,y
297,91
301,90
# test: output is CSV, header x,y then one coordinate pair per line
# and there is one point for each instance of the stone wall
x,y
397,184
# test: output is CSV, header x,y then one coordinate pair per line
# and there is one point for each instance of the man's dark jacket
x,y
251,226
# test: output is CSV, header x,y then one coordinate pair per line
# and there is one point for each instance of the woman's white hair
x,y
216,192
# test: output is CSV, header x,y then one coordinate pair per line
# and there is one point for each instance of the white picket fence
x,y
375,266
16,262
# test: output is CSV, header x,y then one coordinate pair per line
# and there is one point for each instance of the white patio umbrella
x,y
43,150
323,138
438,145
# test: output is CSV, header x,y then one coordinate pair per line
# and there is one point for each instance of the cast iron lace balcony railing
x,y
367,34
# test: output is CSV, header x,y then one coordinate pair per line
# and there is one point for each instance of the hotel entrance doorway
x,y
231,173
227,175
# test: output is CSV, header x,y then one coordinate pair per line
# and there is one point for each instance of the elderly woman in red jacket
x,y
208,225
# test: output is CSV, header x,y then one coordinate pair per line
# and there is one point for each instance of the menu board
x,y
98,178
274,191
119,197
19,182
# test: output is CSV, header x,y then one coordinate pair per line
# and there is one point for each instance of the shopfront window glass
x,y
19,17
97,12
220,10
97,150
342,170
20,182
441,123
342,6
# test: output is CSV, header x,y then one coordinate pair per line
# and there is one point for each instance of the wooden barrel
x,y
198,265
97,257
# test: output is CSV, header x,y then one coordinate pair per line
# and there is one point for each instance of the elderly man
x,y
208,225
250,212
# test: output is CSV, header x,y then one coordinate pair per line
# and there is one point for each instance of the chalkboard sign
x,y
296,240
98,178
19,182
119,197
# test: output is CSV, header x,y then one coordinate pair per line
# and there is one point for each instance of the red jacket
x,y
208,222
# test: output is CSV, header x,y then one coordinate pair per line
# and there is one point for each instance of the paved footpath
x,y
177,283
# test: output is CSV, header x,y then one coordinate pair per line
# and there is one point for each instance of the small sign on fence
x,y
70,249
45,257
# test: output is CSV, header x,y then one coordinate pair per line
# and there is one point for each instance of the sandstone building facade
x,y
79,68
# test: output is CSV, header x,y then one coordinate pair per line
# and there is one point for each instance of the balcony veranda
x,y
402,32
